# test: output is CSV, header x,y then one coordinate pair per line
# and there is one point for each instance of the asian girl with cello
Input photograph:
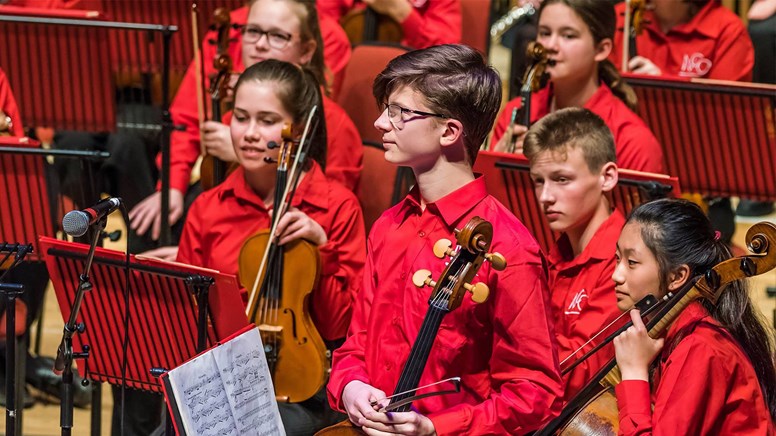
x,y
577,36
287,30
715,366
268,95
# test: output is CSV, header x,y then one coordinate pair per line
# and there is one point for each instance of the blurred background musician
x,y
275,29
578,37
423,22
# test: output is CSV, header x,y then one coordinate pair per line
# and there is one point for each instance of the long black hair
x,y
298,91
677,232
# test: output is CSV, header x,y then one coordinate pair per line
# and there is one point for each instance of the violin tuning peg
x,y
480,291
497,261
422,277
442,248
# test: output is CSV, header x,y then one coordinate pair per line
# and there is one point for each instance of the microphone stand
x,y
65,354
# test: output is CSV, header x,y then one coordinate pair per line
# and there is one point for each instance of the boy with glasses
x,y
440,104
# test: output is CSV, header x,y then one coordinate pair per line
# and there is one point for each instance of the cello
x,y
455,280
280,287
535,78
634,25
594,409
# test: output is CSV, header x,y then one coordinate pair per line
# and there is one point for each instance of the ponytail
x,y
608,74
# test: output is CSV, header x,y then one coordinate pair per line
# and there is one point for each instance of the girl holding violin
x,y
268,95
287,30
688,38
577,36
715,372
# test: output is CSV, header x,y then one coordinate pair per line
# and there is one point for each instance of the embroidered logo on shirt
x,y
695,65
576,303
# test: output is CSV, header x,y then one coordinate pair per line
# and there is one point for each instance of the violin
x,y
534,79
366,24
280,291
473,243
213,171
634,25
594,409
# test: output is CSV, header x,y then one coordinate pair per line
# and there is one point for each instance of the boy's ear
x,y
603,49
453,132
609,176
678,277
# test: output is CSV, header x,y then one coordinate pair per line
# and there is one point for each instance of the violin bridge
x,y
266,328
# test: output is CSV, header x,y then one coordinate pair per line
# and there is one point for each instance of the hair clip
x,y
717,235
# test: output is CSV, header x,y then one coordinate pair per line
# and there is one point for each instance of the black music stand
x,y
507,178
175,312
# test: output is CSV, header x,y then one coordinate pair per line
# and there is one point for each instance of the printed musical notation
x,y
228,390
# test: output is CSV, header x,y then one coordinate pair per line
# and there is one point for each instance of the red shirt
x,y
636,146
706,385
344,148
8,105
583,299
221,219
504,349
431,22
714,44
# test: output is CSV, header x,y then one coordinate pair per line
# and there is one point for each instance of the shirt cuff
x,y
634,400
451,421
336,386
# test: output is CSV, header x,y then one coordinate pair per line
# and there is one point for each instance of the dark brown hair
x,y
455,81
298,92
600,18
572,127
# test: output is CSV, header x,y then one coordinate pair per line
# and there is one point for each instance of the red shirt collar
x,y
312,189
601,246
453,206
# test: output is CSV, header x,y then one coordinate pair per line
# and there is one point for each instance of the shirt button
x,y
388,366
421,233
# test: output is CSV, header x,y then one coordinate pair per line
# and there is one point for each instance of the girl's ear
x,y
603,49
678,277
308,50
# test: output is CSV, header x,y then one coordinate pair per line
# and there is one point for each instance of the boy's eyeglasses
x,y
276,40
396,114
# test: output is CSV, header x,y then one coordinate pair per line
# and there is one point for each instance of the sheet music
x,y
228,391
248,385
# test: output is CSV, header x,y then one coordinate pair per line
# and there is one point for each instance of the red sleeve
x,y
599,310
349,361
184,144
437,22
733,55
344,152
8,105
335,9
502,122
190,246
336,46
690,395
342,262
523,364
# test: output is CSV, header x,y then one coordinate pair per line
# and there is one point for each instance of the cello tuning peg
x,y
272,145
497,260
442,248
480,291
422,277
269,160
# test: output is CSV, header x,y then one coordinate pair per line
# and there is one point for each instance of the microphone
x,y
77,222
